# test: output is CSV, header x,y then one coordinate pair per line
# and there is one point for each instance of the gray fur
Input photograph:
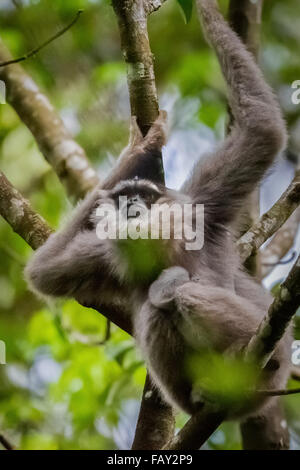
x,y
202,299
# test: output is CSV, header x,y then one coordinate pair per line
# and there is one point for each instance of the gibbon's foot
x,y
162,292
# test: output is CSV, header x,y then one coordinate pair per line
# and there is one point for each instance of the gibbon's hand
x,y
162,292
156,136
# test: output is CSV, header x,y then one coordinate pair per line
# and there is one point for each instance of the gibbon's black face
x,y
138,193
143,257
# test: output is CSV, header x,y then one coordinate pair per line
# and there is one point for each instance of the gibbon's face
x,y
136,213
134,198
139,255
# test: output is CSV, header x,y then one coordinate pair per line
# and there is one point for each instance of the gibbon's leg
x,y
266,431
142,157
196,316
163,349
224,179
216,315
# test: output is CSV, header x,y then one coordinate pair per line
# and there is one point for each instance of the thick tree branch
x,y
197,430
18,213
55,142
132,19
156,422
271,221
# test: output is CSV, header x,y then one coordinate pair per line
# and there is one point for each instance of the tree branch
x,y
132,20
152,5
18,213
44,44
5,443
271,221
156,422
280,245
272,328
57,145
197,430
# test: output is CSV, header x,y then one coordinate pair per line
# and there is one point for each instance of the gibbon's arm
x,y
59,272
51,269
142,157
227,177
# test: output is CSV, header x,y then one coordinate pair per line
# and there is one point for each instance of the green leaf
x,y
187,9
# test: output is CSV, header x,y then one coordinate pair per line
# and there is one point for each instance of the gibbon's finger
x,y
162,291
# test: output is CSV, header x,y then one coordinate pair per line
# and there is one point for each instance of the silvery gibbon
x,y
185,305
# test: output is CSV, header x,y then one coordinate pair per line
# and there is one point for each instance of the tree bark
x,y
271,221
197,430
156,422
132,20
21,217
272,328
